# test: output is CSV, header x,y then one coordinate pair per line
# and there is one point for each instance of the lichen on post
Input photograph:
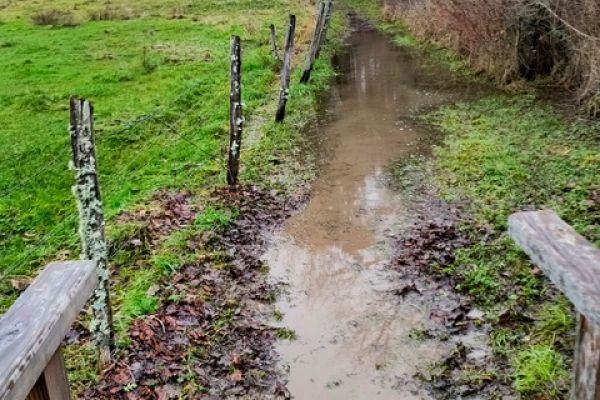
x,y
91,222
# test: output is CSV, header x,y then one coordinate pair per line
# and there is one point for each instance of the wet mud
x,y
355,318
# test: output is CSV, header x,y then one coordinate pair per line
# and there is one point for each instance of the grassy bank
x,y
496,156
500,155
157,73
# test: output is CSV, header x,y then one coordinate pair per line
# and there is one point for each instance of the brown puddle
x,y
353,334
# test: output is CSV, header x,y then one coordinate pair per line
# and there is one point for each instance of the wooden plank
x,y
33,328
91,222
55,378
236,118
586,385
568,259
286,71
53,384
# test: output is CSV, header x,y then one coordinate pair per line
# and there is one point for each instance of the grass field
x,y
157,73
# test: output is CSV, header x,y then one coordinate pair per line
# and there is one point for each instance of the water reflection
x,y
353,336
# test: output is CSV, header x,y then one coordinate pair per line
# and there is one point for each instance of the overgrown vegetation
x,y
552,41
499,155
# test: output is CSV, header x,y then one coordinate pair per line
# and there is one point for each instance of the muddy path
x,y
354,330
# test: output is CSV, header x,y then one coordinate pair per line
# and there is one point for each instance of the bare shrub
x,y
54,17
178,12
513,39
109,13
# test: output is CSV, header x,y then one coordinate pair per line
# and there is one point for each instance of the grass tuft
x,y
53,17
540,369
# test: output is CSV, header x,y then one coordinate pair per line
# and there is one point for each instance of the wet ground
x,y
353,330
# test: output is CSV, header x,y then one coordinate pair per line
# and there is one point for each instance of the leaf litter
x,y
209,338
423,251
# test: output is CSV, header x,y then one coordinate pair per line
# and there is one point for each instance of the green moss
x,y
81,362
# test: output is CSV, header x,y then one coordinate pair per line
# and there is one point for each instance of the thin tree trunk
x,y
287,69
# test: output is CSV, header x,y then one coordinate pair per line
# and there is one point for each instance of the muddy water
x,y
353,333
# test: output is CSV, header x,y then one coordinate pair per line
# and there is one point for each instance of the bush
x,y
109,13
516,39
54,17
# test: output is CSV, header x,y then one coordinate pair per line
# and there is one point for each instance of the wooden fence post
x,y
314,45
573,265
274,48
286,71
326,23
236,118
91,223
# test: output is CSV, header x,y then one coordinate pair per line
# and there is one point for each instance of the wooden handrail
x,y
572,264
32,330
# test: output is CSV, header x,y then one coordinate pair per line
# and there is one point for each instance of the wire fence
x,y
30,256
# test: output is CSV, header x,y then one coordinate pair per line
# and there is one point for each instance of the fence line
x,y
37,366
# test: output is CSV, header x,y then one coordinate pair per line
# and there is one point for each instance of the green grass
x,y
160,90
540,369
507,152
502,154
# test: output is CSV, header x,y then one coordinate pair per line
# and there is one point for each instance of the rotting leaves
x,y
209,338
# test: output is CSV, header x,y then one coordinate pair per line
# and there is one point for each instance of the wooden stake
x,y
286,71
326,23
314,45
274,48
236,118
586,382
91,222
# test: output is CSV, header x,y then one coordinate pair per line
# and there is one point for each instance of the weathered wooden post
x,y
316,40
274,48
286,71
91,222
32,330
573,264
326,23
236,118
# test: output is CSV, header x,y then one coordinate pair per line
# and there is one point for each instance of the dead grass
x,y
54,17
111,13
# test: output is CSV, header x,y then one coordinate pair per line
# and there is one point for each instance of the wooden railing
x,y
573,264
31,332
